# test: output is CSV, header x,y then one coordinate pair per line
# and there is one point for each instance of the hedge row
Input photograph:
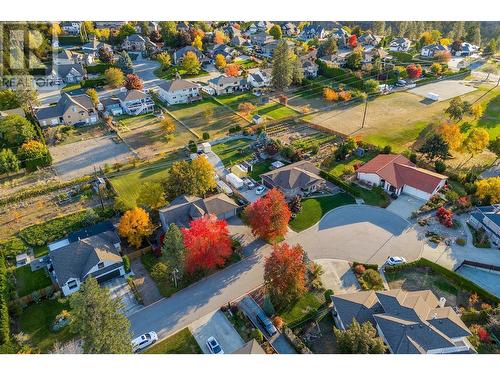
x,y
98,68
65,40
366,265
10,248
4,309
93,83
42,234
42,189
348,78
404,57
454,277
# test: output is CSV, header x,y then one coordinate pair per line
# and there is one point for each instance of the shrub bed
x,y
454,277
93,83
4,309
98,68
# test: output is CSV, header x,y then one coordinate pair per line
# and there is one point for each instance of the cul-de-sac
x,y
249,187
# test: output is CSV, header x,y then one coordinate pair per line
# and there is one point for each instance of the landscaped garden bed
x,y
368,276
182,342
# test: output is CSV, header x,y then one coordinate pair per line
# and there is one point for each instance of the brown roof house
x,y
408,322
92,252
396,174
295,179
69,110
251,347
182,210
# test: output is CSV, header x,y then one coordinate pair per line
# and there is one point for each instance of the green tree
x,y
191,178
327,47
297,71
125,62
8,161
359,339
379,27
8,100
477,140
491,47
15,130
164,59
97,319
168,30
92,93
282,66
173,250
190,63
114,77
458,109
34,154
4,303
276,32
494,146
435,147
151,195
371,86
354,59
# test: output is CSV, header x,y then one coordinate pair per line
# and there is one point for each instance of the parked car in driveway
x,y
266,322
260,189
394,261
213,346
143,341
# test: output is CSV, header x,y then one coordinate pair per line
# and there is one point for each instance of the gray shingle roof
x,y
83,101
176,85
129,95
296,175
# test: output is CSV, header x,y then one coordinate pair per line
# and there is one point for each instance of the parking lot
x,y
216,324
79,158
446,89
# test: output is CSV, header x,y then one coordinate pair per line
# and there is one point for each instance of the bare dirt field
x,y
79,158
445,89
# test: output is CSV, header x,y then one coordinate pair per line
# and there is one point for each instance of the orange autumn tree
x,y
284,274
451,134
330,95
219,37
207,244
268,216
134,225
345,95
232,70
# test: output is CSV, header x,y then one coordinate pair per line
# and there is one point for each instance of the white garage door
x,y
416,192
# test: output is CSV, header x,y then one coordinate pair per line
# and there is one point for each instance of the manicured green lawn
x,y
306,304
336,168
127,183
27,282
170,73
260,168
247,64
36,321
373,197
148,260
399,140
234,151
313,210
40,251
275,111
490,120
182,342
234,100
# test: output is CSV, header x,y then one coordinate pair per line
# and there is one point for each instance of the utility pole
x,y
99,190
364,114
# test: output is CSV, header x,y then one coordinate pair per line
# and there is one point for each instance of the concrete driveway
x,y
243,233
405,205
446,89
119,288
216,324
360,233
489,280
338,276
145,284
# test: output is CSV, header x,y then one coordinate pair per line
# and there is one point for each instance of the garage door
x,y
108,276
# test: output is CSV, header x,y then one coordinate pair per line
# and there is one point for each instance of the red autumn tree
x,y
284,274
133,82
207,244
268,217
353,41
445,217
414,71
232,70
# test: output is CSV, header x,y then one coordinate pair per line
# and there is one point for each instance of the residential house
x,y
91,252
134,42
68,57
259,26
251,347
487,218
135,102
341,36
290,29
182,26
232,31
369,55
260,78
368,39
467,49
299,178
71,27
396,175
400,45
310,68
268,48
313,32
224,84
228,52
112,25
238,41
178,91
112,106
94,46
69,110
182,210
261,38
180,53
432,49
408,322
337,60
68,73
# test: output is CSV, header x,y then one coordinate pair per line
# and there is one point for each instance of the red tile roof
x,y
399,171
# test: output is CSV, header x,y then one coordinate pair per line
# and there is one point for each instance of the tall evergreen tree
x,y
282,66
125,62
173,249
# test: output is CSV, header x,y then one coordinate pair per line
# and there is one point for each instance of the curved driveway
x,y
360,233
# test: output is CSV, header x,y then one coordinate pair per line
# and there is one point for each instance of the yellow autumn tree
x,y
476,141
220,61
198,43
134,225
330,94
451,135
489,189
477,111
168,126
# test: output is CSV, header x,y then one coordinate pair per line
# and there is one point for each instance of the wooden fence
x,y
138,253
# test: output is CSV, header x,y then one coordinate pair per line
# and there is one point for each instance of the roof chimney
x,y
442,302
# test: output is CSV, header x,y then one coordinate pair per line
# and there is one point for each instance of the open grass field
x,y
127,183
27,282
182,342
207,116
401,119
145,135
313,209
234,151
36,321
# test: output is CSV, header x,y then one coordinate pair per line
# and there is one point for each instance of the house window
x,y
72,284
100,265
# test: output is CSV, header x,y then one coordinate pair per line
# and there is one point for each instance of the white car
x,y
394,261
143,341
213,346
260,189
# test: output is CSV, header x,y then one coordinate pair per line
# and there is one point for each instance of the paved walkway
x,y
146,285
338,276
